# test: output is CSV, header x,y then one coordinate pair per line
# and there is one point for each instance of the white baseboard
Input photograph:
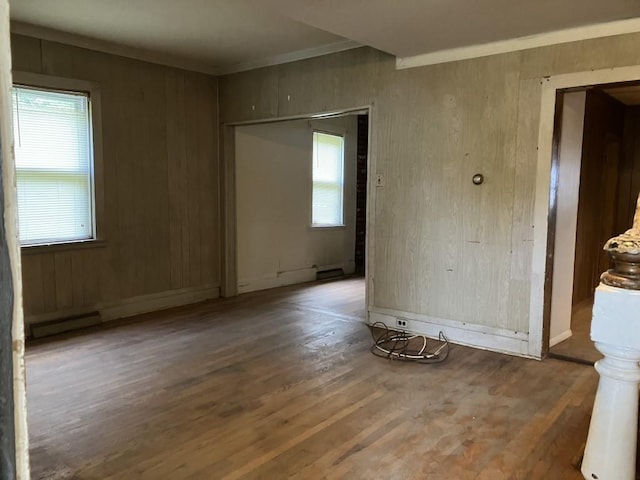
x,y
277,280
133,305
58,315
156,301
560,338
477,336
292,277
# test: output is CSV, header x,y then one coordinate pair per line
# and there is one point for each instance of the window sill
x,y
60,247
327,227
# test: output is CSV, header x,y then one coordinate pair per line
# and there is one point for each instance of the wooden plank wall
x,y
601,158
159,129
443,247
629,185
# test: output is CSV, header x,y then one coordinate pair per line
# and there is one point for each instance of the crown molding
x,y
111,48
160,58
291,57
587,32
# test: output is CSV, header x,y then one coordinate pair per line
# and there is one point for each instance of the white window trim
x,y
37,80
320,127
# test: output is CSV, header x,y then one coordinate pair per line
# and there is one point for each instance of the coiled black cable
x,y
397,345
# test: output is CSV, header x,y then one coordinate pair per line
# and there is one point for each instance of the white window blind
x,y
54,165
328,179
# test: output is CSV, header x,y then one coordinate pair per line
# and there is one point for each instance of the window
x,y
54,165
328,180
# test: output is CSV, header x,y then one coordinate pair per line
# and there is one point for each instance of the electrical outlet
x,y
401,323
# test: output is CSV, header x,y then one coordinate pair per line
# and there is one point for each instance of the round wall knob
x,y
478,178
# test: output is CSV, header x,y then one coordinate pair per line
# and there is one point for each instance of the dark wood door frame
x,y
551,226
553,205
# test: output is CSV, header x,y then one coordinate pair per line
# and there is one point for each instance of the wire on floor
x,y
407,347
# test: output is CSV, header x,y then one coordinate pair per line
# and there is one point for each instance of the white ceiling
x,y
236,34
219,33
412,27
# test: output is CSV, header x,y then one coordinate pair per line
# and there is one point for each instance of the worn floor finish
x,y
281,384
579,345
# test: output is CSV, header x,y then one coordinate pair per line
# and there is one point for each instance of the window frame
x,y
318,127
92,89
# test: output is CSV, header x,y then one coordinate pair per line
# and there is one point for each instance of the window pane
x,y
51,209
52,138
328,173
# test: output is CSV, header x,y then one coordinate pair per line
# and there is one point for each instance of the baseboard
x,y
133,305
282,279
560,338
62,325
278,280
156,301
59,315
477,336
347,267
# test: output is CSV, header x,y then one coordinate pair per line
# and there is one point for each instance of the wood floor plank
x,y
280,384
579,345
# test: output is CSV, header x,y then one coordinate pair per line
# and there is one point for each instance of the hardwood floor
x,y
579,345
281,384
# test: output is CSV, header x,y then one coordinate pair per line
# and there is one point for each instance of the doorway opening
x,y
299,194
597,169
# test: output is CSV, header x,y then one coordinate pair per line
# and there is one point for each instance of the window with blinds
x,y
54,165
328,180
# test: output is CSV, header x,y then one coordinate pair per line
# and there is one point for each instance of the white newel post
x,y
610,453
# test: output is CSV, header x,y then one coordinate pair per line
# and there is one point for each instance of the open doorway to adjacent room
x,y
597,168
301,208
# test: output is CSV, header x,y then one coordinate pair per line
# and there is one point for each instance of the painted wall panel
x,y
160,184
443,247
570,159
276,244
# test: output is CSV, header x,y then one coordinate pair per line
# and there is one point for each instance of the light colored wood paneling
x,y
32,282
229,257
523,193
48,284
175,140
346,79
595,54
209,221
160,183
252,95
91,275
153,171
26,54
63,276
192,177
77,279
434,128
448,236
